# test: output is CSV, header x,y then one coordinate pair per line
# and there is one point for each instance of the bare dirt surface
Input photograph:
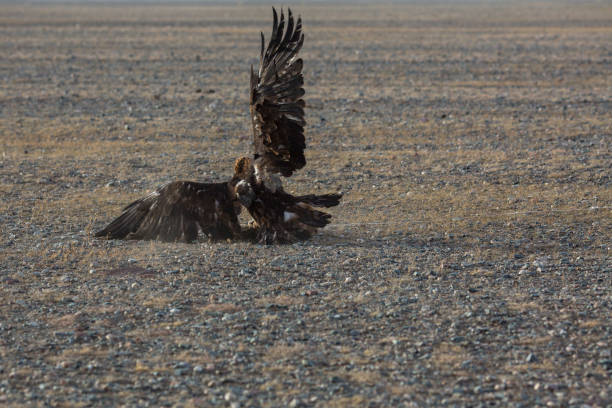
x,y
468,264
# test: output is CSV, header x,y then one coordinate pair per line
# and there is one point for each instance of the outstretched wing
x,y
176,212
277,107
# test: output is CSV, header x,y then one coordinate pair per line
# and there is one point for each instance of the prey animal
x,y
180,210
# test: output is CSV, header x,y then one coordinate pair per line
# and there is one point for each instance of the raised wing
x,y
277,110
177,211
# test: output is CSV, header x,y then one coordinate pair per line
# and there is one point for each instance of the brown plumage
x,y
281,217
178,211
277,107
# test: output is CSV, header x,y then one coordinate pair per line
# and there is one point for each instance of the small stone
x,y
247,271
500,386
180,372
539,264
198,369
466,364
531,358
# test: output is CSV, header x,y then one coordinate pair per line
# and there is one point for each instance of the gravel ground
x,y
468,264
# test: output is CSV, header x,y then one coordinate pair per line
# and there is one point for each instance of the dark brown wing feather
x,y
324,200
277,110
176,212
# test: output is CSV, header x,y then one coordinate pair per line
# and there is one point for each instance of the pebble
x,y
247,271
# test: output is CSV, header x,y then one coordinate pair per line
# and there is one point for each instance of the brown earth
x,y
468,264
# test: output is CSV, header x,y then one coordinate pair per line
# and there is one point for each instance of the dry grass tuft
x,y
283,351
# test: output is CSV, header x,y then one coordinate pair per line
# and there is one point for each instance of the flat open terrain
x,y
468,264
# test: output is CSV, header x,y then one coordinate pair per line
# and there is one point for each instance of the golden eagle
x,y
177,211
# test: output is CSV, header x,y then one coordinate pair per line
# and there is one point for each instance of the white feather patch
x,y
288,216
257,172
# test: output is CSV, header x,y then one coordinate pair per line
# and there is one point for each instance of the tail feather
x,y
311,217
324,200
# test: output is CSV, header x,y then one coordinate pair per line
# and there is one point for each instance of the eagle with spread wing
x,y
179,210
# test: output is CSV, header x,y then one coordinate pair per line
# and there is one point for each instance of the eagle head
x,y
245,193
243,168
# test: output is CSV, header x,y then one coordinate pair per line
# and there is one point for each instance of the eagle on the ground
x,y
179,210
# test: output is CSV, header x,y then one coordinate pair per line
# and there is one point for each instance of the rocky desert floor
x,y
467,265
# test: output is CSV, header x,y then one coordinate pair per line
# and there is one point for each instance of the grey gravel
x,y
468,264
